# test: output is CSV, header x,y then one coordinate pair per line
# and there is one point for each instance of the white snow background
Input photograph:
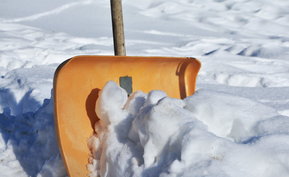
x,y
238,121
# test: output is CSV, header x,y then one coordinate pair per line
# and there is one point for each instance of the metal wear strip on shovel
x,y
78,80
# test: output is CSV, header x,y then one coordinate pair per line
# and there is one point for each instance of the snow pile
x,y
207,134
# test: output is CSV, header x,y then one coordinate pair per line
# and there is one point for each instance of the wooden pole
x,y
117,28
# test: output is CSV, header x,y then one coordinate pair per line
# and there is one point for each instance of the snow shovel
x,y
78,80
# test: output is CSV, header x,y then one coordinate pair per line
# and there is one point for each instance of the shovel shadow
x,y
90,106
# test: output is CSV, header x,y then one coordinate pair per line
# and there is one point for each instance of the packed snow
x,y
236,124
155,135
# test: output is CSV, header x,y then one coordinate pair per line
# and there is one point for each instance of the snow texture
x,y
154,135
235,125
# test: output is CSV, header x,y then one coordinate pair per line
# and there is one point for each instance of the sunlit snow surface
x,y
240,109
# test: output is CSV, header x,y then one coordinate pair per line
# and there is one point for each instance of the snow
x,y
235,125
154,135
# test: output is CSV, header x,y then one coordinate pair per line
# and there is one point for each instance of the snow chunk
x,y
227,115
111,100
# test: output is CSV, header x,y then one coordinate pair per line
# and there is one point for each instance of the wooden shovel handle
x,y
117,28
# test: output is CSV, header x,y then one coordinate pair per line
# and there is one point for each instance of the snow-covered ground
x,y
242,102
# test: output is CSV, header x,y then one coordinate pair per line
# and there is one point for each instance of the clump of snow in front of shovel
x,y
207,134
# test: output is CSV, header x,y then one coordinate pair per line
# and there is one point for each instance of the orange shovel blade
x,y
78,81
